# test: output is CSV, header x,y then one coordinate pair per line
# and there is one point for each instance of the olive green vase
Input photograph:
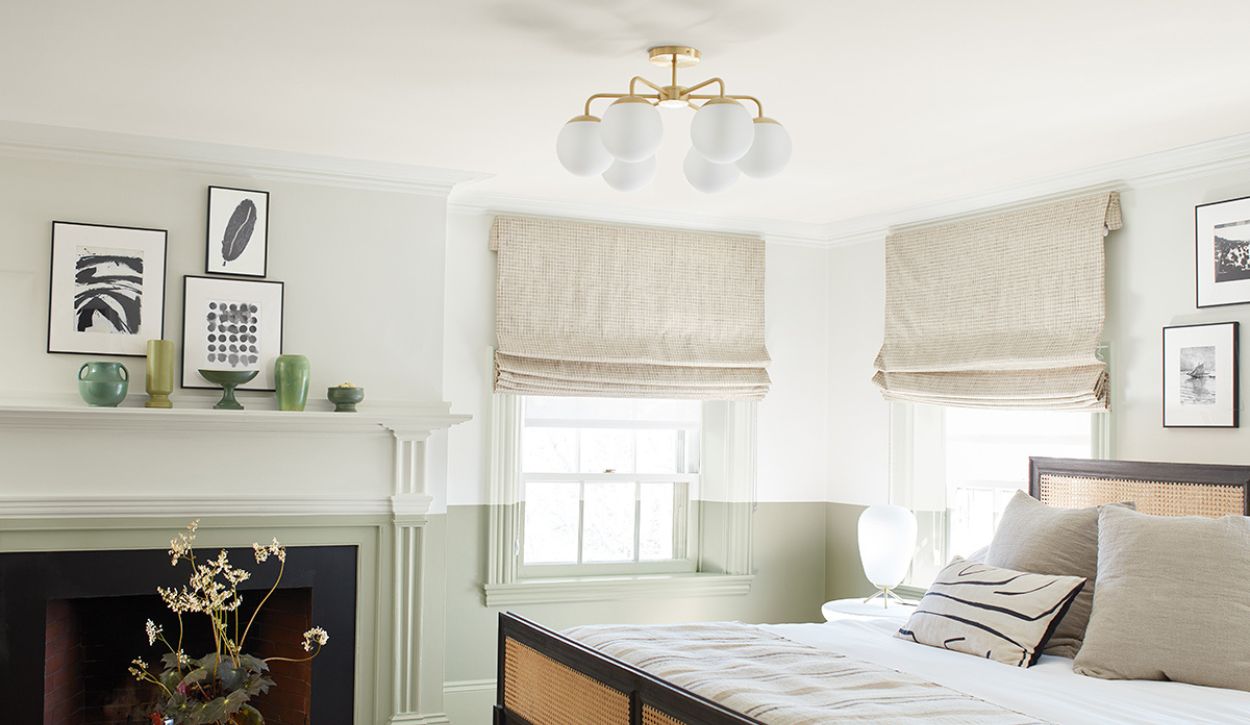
x,y
160,373
290,375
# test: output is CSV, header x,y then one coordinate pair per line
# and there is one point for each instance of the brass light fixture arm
x,y
758,104
597,96
644,81
706,83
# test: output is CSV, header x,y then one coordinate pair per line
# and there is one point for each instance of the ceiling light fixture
x,y
726,140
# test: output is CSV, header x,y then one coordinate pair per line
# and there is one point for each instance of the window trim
x,y
907,465
723,562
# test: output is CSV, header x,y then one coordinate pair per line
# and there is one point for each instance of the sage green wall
x,y
844,575
789,586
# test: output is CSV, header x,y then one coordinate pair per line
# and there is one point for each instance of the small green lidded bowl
x,y
345,397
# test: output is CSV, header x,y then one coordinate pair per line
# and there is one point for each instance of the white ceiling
x,y
890,104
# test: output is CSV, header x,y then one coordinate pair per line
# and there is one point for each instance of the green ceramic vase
x,y
103,384
290,374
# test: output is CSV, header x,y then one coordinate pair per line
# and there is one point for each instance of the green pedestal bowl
x,y
228,380
345,397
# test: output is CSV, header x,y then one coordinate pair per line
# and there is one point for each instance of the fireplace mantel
x,y
393,522
410,420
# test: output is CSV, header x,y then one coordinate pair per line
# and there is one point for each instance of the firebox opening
x,y
89,643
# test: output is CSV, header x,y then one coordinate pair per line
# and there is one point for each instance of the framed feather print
x,y
107,291
230,324
238,232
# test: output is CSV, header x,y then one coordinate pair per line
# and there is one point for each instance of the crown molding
x,y
1162,167
37,141
60,143
469,200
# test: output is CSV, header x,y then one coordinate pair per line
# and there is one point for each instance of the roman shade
x,y
609,310
1001,310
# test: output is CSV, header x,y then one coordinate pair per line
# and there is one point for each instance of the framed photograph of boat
x,y
1222,252
1200,386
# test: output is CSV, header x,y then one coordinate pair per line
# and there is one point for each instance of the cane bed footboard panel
x,y
546,678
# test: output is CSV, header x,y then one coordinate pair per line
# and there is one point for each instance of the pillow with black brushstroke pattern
x,y
999,614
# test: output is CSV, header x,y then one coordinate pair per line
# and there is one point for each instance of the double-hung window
x,y
607,485
598,498
958,467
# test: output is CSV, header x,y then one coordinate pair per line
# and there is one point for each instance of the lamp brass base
x,y
662,55
886,594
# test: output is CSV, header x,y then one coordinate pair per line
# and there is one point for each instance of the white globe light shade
x,y
580,147
770,151
887,540
631,129
722,130
706,176
626,176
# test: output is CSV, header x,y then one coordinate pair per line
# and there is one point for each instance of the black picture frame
x,y
1204,259
213,223
264,381
134,345
1173,364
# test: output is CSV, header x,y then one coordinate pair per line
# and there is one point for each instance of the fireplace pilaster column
x,y
420,584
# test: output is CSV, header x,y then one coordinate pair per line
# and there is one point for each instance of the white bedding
x,y
1049,690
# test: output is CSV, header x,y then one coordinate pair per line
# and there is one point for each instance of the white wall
x,y
858,461
1150,284
363,271
792,419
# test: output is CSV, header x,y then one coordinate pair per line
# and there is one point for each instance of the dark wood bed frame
x,y
545,678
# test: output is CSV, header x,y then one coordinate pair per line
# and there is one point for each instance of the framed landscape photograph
x,y
1222,252
107,291
1200,386
238,232
230,324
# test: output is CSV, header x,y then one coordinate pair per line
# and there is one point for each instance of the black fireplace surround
x,y
28,581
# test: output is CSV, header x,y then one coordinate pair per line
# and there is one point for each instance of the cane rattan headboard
x,y
1163,489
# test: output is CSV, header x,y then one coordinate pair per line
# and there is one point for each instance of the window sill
x,y
605,588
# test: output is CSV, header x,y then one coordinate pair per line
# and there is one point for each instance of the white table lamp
x,y
887,540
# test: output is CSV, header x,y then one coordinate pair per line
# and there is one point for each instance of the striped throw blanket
x,y
781,682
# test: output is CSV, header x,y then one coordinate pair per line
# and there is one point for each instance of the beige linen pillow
x,y
1173,600
998,614
1035,537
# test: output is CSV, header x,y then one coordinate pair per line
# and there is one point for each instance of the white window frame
x,y
718,558
917,458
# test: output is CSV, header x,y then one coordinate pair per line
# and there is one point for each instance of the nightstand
x,y
857,609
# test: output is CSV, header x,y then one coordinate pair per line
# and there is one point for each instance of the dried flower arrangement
x,y
217,687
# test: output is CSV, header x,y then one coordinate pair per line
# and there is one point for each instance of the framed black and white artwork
x,y
230,324
107,291
238,232
1200,386
1222,252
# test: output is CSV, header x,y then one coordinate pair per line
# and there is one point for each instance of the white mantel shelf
x,y
402,421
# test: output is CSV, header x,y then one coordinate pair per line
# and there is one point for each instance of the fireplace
x,y
70,622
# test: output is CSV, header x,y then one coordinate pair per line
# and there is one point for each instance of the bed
x,y
857,670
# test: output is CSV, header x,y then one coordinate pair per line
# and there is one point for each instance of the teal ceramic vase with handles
x,y
290,375
103,384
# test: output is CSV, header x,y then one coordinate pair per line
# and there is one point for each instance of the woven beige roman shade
x,y
1000,311
621,311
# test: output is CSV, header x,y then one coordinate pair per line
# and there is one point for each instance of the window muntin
x,y
607,485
